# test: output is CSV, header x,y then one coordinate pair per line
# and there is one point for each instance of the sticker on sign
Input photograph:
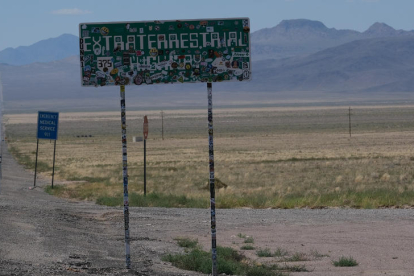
x,y
104,62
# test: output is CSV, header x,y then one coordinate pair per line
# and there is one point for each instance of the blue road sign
x,y
47,125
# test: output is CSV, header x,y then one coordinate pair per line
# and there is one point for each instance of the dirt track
x,y
44,235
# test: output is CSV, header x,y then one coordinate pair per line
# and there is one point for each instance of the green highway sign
x,y
176,51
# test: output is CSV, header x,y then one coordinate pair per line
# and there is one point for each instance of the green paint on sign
x,y
135,53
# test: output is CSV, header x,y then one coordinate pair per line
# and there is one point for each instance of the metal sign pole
x,y
125,177
37,150
54,154
145,167
162,124
212,188
349,122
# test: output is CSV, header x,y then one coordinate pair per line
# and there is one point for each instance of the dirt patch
x,y
42,234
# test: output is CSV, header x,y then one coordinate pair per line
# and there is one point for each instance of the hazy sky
x,y
24,22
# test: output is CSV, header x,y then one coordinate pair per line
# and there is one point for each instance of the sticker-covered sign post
x,y
212,186
47,128
167,52
125,178
145,128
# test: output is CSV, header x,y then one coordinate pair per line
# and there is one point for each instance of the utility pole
x,y
162,124
349,122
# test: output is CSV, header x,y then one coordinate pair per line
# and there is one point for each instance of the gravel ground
x,y
44,235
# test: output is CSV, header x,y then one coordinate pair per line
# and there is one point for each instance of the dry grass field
x,y
280,157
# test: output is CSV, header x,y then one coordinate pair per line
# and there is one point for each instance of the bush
x,y
345,261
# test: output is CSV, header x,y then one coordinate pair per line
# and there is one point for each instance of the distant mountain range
x,y
302,37
340,62
378,64
289,38
47,50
